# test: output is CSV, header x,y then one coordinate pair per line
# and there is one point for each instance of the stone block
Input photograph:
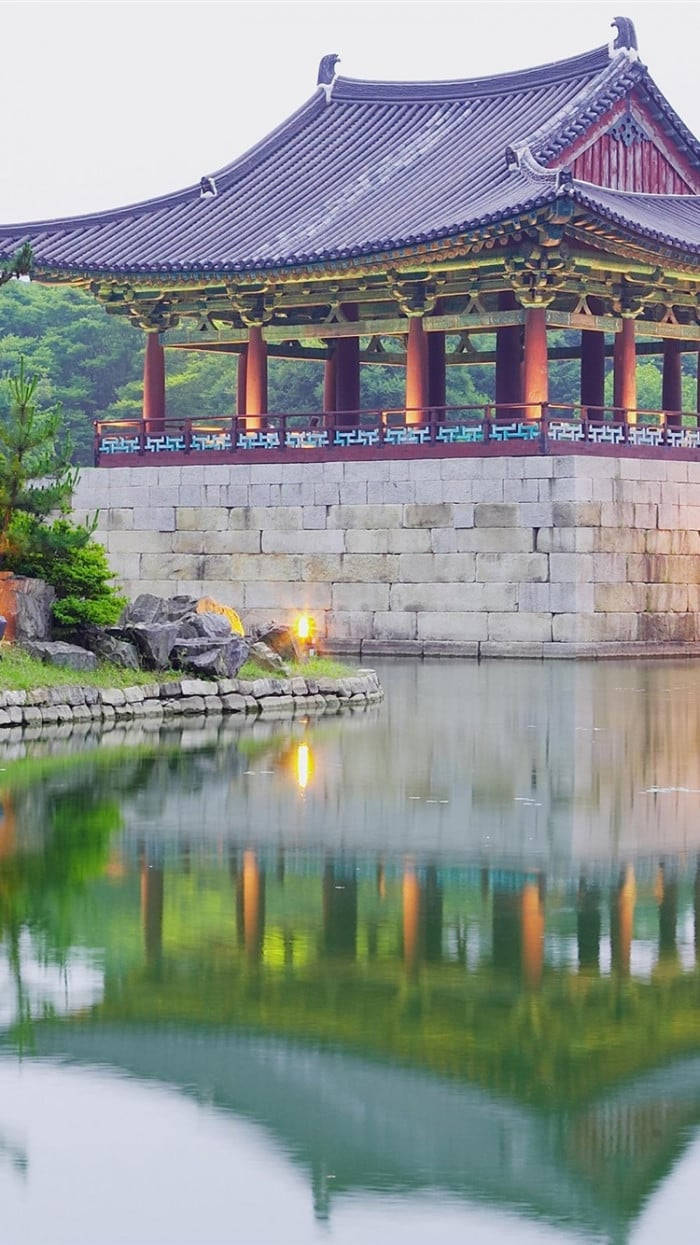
x,y
567,539
169,566
112,696
535,597
442,539
536,514
353,493
366,567
619,598
663,598
409,539
365,517
496,540
490,514
327,494
346,625
573,488
645,515
616,514
233,703
156,518
668,628
429,492
594,628
314,517
570,567
520,627
119,518
277,594
269,518
391,492
465,627
245,567
357,597
462,515
609,568
130,541
440,515
424,568
394,625
512,567
618,539
303,541
449,648
576,514
567,598
458,597
373,541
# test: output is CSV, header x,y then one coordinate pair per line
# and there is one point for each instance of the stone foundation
x,y
572,554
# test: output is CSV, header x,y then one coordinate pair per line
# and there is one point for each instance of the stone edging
x,y
186,697
481,650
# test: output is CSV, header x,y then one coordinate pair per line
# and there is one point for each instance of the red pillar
x,y
437,372
672,386
329,382
416,371
256,379
508,352
241,381
697,404
626,369
593,369
154,385
535,368
347,388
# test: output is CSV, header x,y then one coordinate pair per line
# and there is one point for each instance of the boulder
x,y
215,626
110,647
154,642
145,609
267,658
27,605
207,605
222,661
282,640
58,653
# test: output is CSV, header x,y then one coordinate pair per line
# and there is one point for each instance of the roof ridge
x,y
357,89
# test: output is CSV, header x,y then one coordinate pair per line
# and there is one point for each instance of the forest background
x,y
92,364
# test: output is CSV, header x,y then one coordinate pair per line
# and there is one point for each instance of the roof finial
x,y
626,35
326,73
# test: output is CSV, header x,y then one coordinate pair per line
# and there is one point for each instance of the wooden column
x,y
437,373
508,356
593,363
256,379
347,386
154,385
241,381
672,386
416,371
535,366
330,380
625,361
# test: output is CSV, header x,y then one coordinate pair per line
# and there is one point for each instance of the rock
x,y
57,653
154,642
224,661
34,605
174,609
108,647
213,626
267,658
145,609
281,640
207,605
112,696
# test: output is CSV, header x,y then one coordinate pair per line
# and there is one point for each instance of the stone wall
x,y
490,555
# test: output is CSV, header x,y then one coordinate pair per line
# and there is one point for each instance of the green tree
x,y
36,476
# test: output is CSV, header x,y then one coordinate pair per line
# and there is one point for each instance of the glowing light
x,y
304,766
304,627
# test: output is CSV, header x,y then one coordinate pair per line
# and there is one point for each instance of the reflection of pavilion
x,y
353,1118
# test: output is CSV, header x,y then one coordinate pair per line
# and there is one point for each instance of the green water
x,y
422,973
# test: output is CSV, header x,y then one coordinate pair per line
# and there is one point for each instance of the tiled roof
x,y
377,167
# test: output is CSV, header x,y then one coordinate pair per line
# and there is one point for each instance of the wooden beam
x,y
686,332
580,321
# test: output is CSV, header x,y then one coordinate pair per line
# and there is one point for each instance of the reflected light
x,y
304,766
304,627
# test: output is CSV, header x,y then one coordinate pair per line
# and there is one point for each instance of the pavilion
x,y
390,223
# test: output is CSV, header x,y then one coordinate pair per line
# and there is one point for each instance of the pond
x,y
422,972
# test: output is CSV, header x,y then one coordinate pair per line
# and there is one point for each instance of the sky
x,y
108,103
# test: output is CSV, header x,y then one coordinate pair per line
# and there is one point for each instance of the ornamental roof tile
x,y
376,167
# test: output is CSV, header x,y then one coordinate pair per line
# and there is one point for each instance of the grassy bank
x,y
19,672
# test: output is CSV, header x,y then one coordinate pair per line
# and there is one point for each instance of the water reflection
x,y
446,950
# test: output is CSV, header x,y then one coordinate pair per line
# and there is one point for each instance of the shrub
x,y
65,555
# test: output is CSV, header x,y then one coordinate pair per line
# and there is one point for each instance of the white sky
x,y
109,103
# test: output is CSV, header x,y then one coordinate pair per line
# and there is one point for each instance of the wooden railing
x,y
476,429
